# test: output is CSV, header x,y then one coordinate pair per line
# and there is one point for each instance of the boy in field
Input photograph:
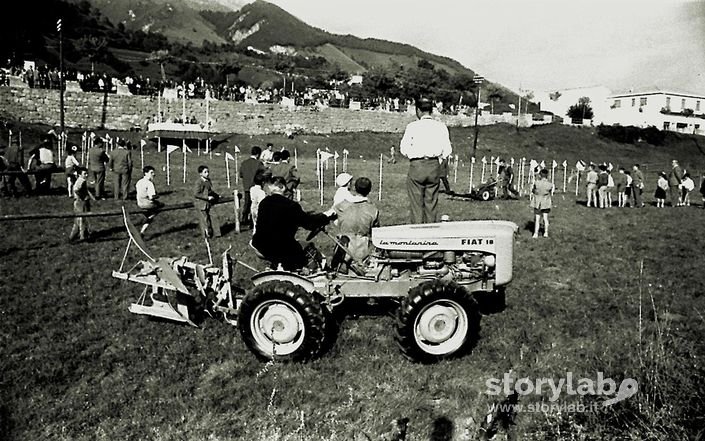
x,y
81,204
542,202
204,198
147,197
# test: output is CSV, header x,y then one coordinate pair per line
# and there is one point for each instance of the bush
x,y
631,134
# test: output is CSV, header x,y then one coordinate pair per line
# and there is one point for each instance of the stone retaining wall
x,y
124,112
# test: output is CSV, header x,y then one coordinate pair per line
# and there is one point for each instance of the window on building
x,y
633,102
681,125
683,103
617,103
642,101
666,125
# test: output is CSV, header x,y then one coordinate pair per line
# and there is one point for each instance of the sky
x,y
538,45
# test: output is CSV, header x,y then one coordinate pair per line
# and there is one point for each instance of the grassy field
x,y
617,291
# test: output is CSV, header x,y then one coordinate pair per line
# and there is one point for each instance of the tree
x,y
95,48
494,95
161,56
582,110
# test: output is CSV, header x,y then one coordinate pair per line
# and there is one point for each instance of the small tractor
x,y
485,191
433,274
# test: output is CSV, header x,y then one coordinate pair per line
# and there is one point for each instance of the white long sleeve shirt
x,y
426,138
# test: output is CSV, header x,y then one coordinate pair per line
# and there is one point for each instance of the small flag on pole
x,y
58,25
171,148
229,157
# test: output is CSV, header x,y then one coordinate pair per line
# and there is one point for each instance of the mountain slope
x,y
179,20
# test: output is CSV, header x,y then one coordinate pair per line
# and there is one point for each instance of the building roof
x,y
654,90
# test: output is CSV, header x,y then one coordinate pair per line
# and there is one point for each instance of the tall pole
x,y
477,80
61,72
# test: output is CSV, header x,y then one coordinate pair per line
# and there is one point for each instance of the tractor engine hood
x,y
484,235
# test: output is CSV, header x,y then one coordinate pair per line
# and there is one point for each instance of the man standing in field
x,y
120,163
426,142
637,187
675,178
248,170
97,158
591,185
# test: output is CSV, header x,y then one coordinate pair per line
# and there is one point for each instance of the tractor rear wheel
x,y
485,195
436,321
280,320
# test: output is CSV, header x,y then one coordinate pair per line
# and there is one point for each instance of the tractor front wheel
x,y
485,195
436,321
280,320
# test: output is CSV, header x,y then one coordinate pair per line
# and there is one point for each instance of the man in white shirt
x,y
147,196
426,143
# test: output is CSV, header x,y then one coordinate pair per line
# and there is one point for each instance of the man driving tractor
x,y
278,220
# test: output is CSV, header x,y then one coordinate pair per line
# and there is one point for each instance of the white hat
x,y
343,179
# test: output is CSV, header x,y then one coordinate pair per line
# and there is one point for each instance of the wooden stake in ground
x,y
184,150
228,158
484,164
472,169
565,175
236,202
345,160
142,144
455,170
554,164
296,158
237,161
381,158
335,163
169,149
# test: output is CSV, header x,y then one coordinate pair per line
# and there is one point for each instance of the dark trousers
x,y
422,186
636,197
204,219
675,195
24,180
121,186
245,217
99,186
446,184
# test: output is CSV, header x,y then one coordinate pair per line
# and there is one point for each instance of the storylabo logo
x,y
568,386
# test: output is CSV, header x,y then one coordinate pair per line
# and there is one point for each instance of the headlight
x,y
489,261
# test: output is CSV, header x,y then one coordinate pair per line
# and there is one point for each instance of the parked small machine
x,y
485,191
432,273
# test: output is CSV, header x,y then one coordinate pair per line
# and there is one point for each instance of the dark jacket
x,y
248,170
278,219
120,161
97,159
202,190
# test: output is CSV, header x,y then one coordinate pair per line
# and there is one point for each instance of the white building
x,y
675,111
559,101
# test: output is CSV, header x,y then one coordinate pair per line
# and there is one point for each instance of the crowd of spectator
x,y
47,77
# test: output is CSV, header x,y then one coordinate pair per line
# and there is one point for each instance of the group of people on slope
x,y
602,183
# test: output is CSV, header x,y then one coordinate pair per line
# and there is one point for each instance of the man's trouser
x,y
245,217
675,195
99,186
24,180
422,187
121,186
636,197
